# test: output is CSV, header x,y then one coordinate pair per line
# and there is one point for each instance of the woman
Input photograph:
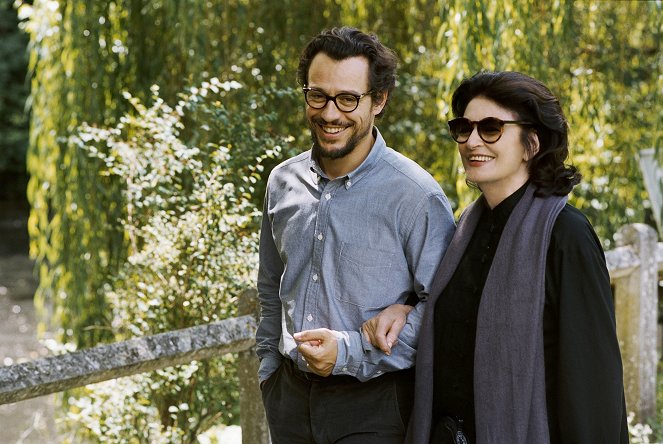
x,y
518,339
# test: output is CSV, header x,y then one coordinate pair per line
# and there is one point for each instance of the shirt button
x,y
315,277
348,183
309,318
345,369
320,236
328,196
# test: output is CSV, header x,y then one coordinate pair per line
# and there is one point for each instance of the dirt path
x,y
28,421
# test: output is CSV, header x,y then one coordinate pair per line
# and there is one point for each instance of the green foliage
x,y
84,55
605,68
614,113
188,175
74,222
152,407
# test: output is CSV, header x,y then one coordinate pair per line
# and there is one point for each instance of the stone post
x,y
252,419
636,305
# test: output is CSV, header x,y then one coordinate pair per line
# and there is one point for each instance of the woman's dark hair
x,y
533,102
343,43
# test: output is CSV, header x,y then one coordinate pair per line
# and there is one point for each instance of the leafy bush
x,y
189,176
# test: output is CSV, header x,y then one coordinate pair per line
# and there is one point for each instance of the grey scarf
x,y
509,373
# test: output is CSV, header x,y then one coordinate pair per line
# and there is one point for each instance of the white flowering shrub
x,y
639,433
190,174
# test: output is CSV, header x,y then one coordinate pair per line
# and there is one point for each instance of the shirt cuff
x,y
350,353
268,365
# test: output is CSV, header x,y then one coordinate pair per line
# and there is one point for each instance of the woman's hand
x,y
382,330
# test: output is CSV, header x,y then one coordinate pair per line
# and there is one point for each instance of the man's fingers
x,y
313,337
306,335
305,348
319,349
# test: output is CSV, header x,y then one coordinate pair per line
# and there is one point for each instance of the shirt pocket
x,y
363,276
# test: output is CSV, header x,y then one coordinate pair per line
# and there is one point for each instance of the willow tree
x,y
603,63
85,55
603,59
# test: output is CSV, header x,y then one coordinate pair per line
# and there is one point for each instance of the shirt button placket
x,y
316,263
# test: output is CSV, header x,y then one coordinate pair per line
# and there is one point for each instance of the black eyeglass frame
x,y
477,124
357,98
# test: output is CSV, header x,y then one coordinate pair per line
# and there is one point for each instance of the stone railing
x,y
634,268
104,362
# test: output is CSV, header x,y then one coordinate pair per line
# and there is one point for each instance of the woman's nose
x,y
474,140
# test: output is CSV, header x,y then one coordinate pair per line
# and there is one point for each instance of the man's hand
x,y
319,349
382,330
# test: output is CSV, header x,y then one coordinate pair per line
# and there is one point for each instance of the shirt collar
x,y
374,155
503,210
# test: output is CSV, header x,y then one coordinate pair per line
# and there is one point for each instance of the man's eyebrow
x,y
353,93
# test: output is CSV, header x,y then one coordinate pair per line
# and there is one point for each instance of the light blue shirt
x,y
334,253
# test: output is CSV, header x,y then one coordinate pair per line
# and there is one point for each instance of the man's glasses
x,y
345,102
490,129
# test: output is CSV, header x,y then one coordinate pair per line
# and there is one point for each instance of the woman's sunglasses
x,y
490,129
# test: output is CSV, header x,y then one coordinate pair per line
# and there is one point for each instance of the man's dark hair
x,y
342,43
533,102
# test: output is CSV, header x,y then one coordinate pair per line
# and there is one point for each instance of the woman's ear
x,y
533,146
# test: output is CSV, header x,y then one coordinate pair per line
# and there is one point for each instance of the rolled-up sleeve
x,y
427,234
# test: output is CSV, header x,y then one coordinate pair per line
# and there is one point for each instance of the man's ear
x,y
378,106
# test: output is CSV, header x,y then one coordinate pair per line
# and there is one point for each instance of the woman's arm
x,y
582,351
382,330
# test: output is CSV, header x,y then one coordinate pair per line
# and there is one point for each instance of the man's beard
x,y
319,152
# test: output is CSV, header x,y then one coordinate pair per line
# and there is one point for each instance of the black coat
x,y
584,386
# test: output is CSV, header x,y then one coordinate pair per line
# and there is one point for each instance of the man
x,y
349,228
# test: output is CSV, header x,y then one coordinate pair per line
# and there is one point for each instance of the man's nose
x,y
330,111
